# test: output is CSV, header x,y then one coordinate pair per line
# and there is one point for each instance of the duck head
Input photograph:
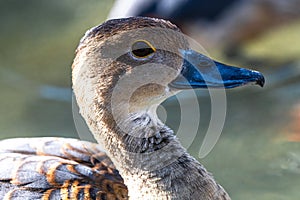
x,y
142,61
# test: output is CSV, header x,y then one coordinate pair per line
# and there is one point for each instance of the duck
x,y
123,69
225,25
178,12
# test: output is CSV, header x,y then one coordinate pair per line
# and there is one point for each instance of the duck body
x,y
57,168
122,71
65,168
62,168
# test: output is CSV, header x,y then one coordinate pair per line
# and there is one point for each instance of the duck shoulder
x,y
57,168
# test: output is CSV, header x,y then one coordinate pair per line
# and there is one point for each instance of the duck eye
x,y
142,49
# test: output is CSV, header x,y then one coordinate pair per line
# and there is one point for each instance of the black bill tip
x,y
260,80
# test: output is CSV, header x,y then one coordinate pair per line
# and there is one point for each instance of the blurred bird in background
x,y
215,23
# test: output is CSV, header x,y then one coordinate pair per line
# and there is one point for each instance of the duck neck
x,y
151,160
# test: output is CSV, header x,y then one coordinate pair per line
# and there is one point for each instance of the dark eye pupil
x,y
142,52
141,49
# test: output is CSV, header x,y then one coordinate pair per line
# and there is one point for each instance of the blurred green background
x,y
258,154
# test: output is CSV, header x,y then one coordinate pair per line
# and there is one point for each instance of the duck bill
x,y
199,71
